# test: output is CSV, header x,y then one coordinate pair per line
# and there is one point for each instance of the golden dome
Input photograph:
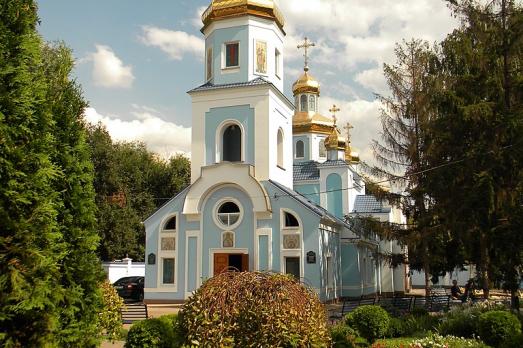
x,y
335,141
221,9
306,84
310,122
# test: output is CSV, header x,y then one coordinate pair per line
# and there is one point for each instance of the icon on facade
x,y
151,259
311,257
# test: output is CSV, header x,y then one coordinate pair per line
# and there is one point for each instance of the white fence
x,y
124,268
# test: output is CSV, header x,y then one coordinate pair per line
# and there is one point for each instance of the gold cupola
x,y
224,9
306,91
335,141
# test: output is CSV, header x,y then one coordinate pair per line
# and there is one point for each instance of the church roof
x,y
259,81
310,170
320,211
366,204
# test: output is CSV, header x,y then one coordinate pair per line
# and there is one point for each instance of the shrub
x,y
343,336
495,327
110,319
254,309
372,322
397,327
513,342
461,322
154,333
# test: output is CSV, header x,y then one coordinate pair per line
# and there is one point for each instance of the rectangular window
x,y
292,266
168,271
277,62
209,64
232,55
330,272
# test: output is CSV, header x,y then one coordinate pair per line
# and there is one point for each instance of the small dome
x,y
335,141
306,84
310,122
221,9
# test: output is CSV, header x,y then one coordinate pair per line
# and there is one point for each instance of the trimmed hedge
x,y
159,332
371,322
254,309
496,327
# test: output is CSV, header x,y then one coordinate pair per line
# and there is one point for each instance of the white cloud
x,y
109,70
162,137
197,19
373,80
351,32
175,43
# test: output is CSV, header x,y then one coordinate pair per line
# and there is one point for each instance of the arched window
x,y
280,148
303,99
228,214
291,221
167,253
170,225
232,144
312,103
321,148
300,149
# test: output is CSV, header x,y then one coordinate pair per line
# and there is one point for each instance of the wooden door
x,y
245,262
221,262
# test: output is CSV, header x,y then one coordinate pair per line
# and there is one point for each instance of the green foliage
x,y
110,318
371,322
252,309
144,181
412,325
495,327
461,322
80,270
48,267
515,341
343,336
154,333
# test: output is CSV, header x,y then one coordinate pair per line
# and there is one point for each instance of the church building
x,y
272,180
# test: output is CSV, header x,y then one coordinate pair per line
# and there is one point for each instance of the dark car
x,y
130,287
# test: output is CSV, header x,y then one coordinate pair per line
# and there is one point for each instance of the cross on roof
x,y
306,44
334,110
348,128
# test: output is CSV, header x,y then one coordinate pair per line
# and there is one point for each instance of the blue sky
x,y
136,59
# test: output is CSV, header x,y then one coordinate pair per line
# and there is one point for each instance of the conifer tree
x,y
480,126
405,117
80,267
30,243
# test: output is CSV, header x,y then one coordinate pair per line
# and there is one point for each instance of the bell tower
x,y
240,113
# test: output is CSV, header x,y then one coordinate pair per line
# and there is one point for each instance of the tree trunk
x,y
484,264
427,278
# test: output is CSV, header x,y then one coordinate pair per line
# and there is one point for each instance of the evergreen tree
x,y
405,118
30,243
479,128
80,268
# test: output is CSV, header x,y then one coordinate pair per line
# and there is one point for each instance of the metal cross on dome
x,y
348,127
334,110
305,45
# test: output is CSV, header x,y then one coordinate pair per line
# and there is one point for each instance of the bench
x,y
396,305
351,304
439,303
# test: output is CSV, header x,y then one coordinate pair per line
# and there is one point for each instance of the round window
x,y
228,213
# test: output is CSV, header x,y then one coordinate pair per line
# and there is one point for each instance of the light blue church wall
x,y
152,227
335,195
212,234
330,242
244,114
350,272
306,148
310,191
310,238
217,40
263,253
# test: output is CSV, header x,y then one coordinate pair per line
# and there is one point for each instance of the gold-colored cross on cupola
x,y
306,45
334,110
348,127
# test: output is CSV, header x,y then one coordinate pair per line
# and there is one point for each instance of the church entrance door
x,y
238,262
